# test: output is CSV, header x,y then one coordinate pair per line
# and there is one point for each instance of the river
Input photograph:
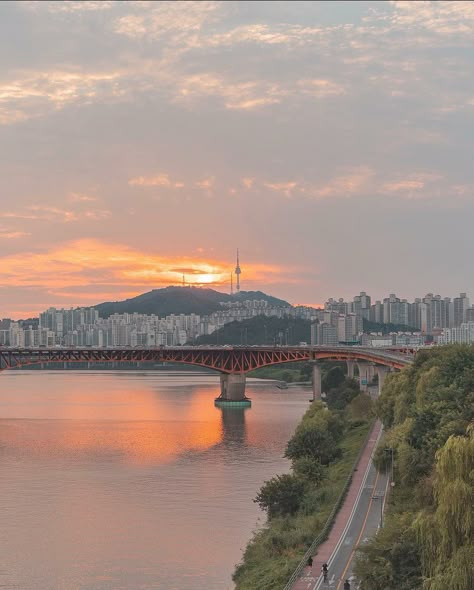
x,y
131,480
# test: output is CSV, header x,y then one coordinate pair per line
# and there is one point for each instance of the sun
x,y
205,278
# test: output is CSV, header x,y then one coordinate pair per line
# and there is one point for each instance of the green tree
x,y
361,407
281,495
391,560
309,468
339,397
333,378
446,534
310,440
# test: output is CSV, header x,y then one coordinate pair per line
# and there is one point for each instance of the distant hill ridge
x,y
176,300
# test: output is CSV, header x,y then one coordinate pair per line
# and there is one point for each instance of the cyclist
x,y
324,570
347,585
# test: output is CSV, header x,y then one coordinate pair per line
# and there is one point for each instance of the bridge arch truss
x,y
230,360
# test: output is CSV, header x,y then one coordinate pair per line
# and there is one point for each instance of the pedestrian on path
x,y
347,585
310,561
324,569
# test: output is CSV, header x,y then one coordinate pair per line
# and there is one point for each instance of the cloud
x,y
246,95
442,18
81,198
75,272
206,183
13,235
320,88
69,6
162,179
52,213
162,18
36,93
414,185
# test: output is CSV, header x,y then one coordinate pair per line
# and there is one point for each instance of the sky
x,y
331,142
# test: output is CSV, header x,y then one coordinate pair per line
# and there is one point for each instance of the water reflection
x,y
234,431
112,477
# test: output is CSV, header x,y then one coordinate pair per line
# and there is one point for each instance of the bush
x,y
310,441
309,468
281,495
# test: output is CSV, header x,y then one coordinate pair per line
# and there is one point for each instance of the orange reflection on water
x,y
132,425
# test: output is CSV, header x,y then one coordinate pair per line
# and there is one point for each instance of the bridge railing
x,y
323,535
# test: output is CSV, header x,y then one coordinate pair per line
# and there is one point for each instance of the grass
x,y
275,550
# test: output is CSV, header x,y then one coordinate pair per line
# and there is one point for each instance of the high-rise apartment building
x,y
461,305
323,333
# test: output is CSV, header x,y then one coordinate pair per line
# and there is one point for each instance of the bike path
x,y
350,521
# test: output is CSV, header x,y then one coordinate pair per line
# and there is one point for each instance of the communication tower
x,y
237,273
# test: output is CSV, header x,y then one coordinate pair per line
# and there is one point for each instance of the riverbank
x,y
275,550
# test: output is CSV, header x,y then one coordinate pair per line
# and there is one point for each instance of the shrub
x,y
309,468
281,495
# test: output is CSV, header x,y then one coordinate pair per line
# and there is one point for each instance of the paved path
x,y
358,517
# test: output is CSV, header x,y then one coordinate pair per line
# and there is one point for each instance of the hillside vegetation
x,y
176,300
428,538
322,452
261,330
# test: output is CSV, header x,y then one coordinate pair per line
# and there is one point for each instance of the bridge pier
x,y
350,369
316,382
382,372
232,390
363,375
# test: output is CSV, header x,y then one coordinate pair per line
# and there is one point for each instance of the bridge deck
x,y
226,359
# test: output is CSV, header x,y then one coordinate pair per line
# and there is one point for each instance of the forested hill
x,y
261,330
428,538
178,300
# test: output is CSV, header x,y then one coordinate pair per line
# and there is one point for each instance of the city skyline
x,y
142,141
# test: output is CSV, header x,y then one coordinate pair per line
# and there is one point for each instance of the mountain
x,y
178,300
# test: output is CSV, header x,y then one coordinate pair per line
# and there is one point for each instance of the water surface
x,y
132,480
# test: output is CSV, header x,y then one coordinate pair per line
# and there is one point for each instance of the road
x,y
359,519
364,524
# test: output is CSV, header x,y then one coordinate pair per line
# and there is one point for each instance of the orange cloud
x,y
88,271
162,179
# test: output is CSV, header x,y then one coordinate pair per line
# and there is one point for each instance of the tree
x,y
338,397
281,495
309,468
311,441
361,407
446,535
391,560
333,378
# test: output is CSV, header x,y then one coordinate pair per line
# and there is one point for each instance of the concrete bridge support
x,y
371,371
233,390
350,369
382,372
363,375
316,381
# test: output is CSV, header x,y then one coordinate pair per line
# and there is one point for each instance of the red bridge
x,y
233,362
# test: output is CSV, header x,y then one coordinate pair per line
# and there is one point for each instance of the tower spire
x,y
238,272
231,283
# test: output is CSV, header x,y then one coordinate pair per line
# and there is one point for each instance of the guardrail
x,y
323,535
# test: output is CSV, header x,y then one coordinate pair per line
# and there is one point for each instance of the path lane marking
x,y
359,537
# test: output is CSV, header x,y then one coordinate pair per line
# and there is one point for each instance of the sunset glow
x,y
135,153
